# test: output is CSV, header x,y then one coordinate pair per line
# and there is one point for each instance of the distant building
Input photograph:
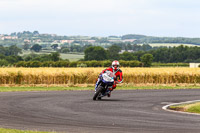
x,y
122,51
45,34
9,37
26,40
37,41
194,65
56,41
130,51
90,41
53,34
128,40
66,41
114,40
58,47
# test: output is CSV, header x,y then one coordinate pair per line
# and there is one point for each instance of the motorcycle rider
x,y
118,75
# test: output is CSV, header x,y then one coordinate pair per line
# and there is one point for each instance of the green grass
x,y
170,44
72,57
192,107
10,89
4,130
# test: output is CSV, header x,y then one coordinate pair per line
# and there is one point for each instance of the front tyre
x,y
98,92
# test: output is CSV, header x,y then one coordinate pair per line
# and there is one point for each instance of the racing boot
x,y
109,93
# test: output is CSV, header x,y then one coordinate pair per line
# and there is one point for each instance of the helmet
x,y
115,65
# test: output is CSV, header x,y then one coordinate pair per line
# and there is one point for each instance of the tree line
x,y
173,55
152,39
164,55
184,54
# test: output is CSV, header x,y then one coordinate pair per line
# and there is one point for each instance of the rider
x,y
118,73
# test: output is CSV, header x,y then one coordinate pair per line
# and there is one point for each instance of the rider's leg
x,y
111,89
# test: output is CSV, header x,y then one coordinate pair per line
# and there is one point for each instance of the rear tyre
x,y
99,98
98,91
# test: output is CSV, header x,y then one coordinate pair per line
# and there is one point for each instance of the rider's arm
x,y
119,77
108,69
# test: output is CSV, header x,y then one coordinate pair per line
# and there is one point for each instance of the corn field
x,y
73,76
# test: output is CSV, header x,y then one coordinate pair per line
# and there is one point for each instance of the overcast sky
x,y
171,18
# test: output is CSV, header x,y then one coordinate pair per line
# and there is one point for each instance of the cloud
x,y
102,17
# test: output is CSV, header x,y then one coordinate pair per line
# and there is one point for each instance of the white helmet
x,y
115,65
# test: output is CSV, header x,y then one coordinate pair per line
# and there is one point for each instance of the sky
x,y
164,18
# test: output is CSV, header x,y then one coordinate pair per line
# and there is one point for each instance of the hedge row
x,y
170,64
77,64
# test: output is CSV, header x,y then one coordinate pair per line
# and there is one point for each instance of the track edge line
x,y
169,110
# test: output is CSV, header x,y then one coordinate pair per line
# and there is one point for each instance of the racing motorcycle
x,y
103,88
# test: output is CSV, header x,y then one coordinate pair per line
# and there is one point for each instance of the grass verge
x,y
10,89
191,108
4,130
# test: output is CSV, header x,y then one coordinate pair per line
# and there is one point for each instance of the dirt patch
x,y
177,108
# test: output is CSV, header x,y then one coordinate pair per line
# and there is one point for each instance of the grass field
x,y
70,57
170,44
192,107
4,130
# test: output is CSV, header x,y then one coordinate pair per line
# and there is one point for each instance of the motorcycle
x,y
106,82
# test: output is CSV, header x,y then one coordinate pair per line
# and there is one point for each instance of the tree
x,y
95,53
35,32
3,62
113,52
36,48
26,46
147,60
64,50
127,56
54,46
55,56
13,50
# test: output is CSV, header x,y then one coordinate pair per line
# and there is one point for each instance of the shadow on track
x,y
112,100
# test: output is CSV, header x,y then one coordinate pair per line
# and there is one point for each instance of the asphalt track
x,y
134,111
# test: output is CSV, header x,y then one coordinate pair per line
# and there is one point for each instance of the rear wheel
x,y
99,98
98,92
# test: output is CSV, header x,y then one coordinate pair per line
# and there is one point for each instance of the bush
x,y
3,63
21,64
73,64
107,63
124,63
94,63
61,64
135,64
36,64
48,64
82,65
170,64
28,64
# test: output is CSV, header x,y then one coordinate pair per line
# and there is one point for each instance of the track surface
x,y
74,111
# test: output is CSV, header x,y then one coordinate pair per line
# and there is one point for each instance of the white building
x,y
194,65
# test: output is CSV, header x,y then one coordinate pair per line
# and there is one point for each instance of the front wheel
x,y
98,92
